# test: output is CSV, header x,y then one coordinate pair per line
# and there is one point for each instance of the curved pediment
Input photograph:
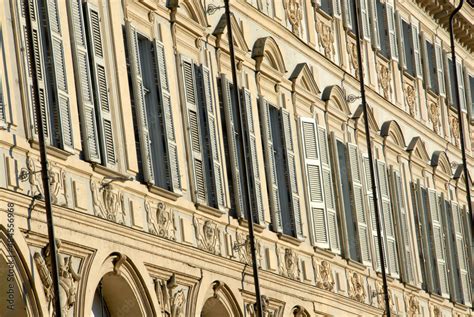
x,y
439,160
266,50
459,175
302,76
191,8
391,129
221,302
334,95
359,114
238,36
418,149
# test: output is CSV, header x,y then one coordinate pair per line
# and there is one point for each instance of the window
x,y
440,68
278,143
322,209
327,7
234,154
431,78
374,24
452,87
408,48
91,83
364,10
383,34
152,110
49,65
349,12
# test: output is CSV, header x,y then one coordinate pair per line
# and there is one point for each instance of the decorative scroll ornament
x,y
108,202
172,301
57,181
410,98
160,220
384,80
354,59
413,305
208,236
434,116
294,14
68,278
242,245
356,287
325,39
381,296
435,311
455,129
267,312
324,278
288,263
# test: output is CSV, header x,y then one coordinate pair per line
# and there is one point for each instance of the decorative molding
x,y
381,297
172,300
294,13
160,220
413,305
434,116
356,287
384,77
354,59
453,122
242,246
324,277
57,180
108,202
208,235
326,39
268,310
410,98
288,263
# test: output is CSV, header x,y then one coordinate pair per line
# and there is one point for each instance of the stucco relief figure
x,y
57,181
381,297
108,202
172,302
288,263
454,129
434,116
160,220
267,312
242,245
356,287
208,236
68,278
410,98
413,306
294,14
353,55
324,278
325,38
384,79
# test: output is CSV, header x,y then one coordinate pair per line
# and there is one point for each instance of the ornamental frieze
x,y
288,263
434,116
384,77
208,235
356,287
453,122
242,246
171,297
294,14
410,98
160,220
353,56
413,305
108,202
324,277
325,39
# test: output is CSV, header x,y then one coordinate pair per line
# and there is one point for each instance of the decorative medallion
x,y
242,246
410,98
68,278
57,180
324,278
160,220
108,202
454,129
208,235
294,14
288,263
325,39
356,287
384,79
172,301
434,116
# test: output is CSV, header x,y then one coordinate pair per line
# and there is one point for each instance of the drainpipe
x,y
371,160
44,170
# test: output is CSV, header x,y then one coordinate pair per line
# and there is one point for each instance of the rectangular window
x,y
432,72
374,24
408,48
440,68
349,12
327,7
364,10
382,27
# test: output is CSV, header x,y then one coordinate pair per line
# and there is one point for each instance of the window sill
x,y
356,265
387,275
163,192
324,14
437,297
324,252
382,57
210,210
294,241
412,287
432,93
108,172
51,150
257,227
407,74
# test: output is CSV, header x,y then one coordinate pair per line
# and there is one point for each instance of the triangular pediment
x,y
303,77
418,149
359,115
221,32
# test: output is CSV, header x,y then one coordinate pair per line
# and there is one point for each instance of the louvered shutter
x,y
358,202
438,239
39,67
140,104
167,119
440,68
332,225
270,165
461,252
416,51
424,59
226,88
3,114
364,10
403,228
347,14
257,200
193,127
84,84
291,173
317,210
212,137
391,32
401,42
375,25
337,9
101,88
389,226
460,76
467,87
371,205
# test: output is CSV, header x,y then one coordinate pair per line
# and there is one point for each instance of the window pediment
x,y
302,77
440,162
238,36
392,131
417,150
266,51
359,115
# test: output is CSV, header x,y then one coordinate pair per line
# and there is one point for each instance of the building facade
x,y
147,171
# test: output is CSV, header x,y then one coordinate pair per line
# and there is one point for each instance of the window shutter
x,y
291,168
358,202
467,87
375,25
460,76
3,114
416,51
461,252
234,152
61,113
403,227
438,238
100,85
425,64
334,242
257,201
36,47
167,119
389,226
337,9
270,166
391,32
213,137
401,41
347,14
84,84
365,19
440,68
193,127
314,186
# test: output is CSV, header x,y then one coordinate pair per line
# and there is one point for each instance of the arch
x,y
359,114
220,301
191,8
334,95
439,159
238,36
121,288
16,284
266,50
302,76
417,149
391,129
